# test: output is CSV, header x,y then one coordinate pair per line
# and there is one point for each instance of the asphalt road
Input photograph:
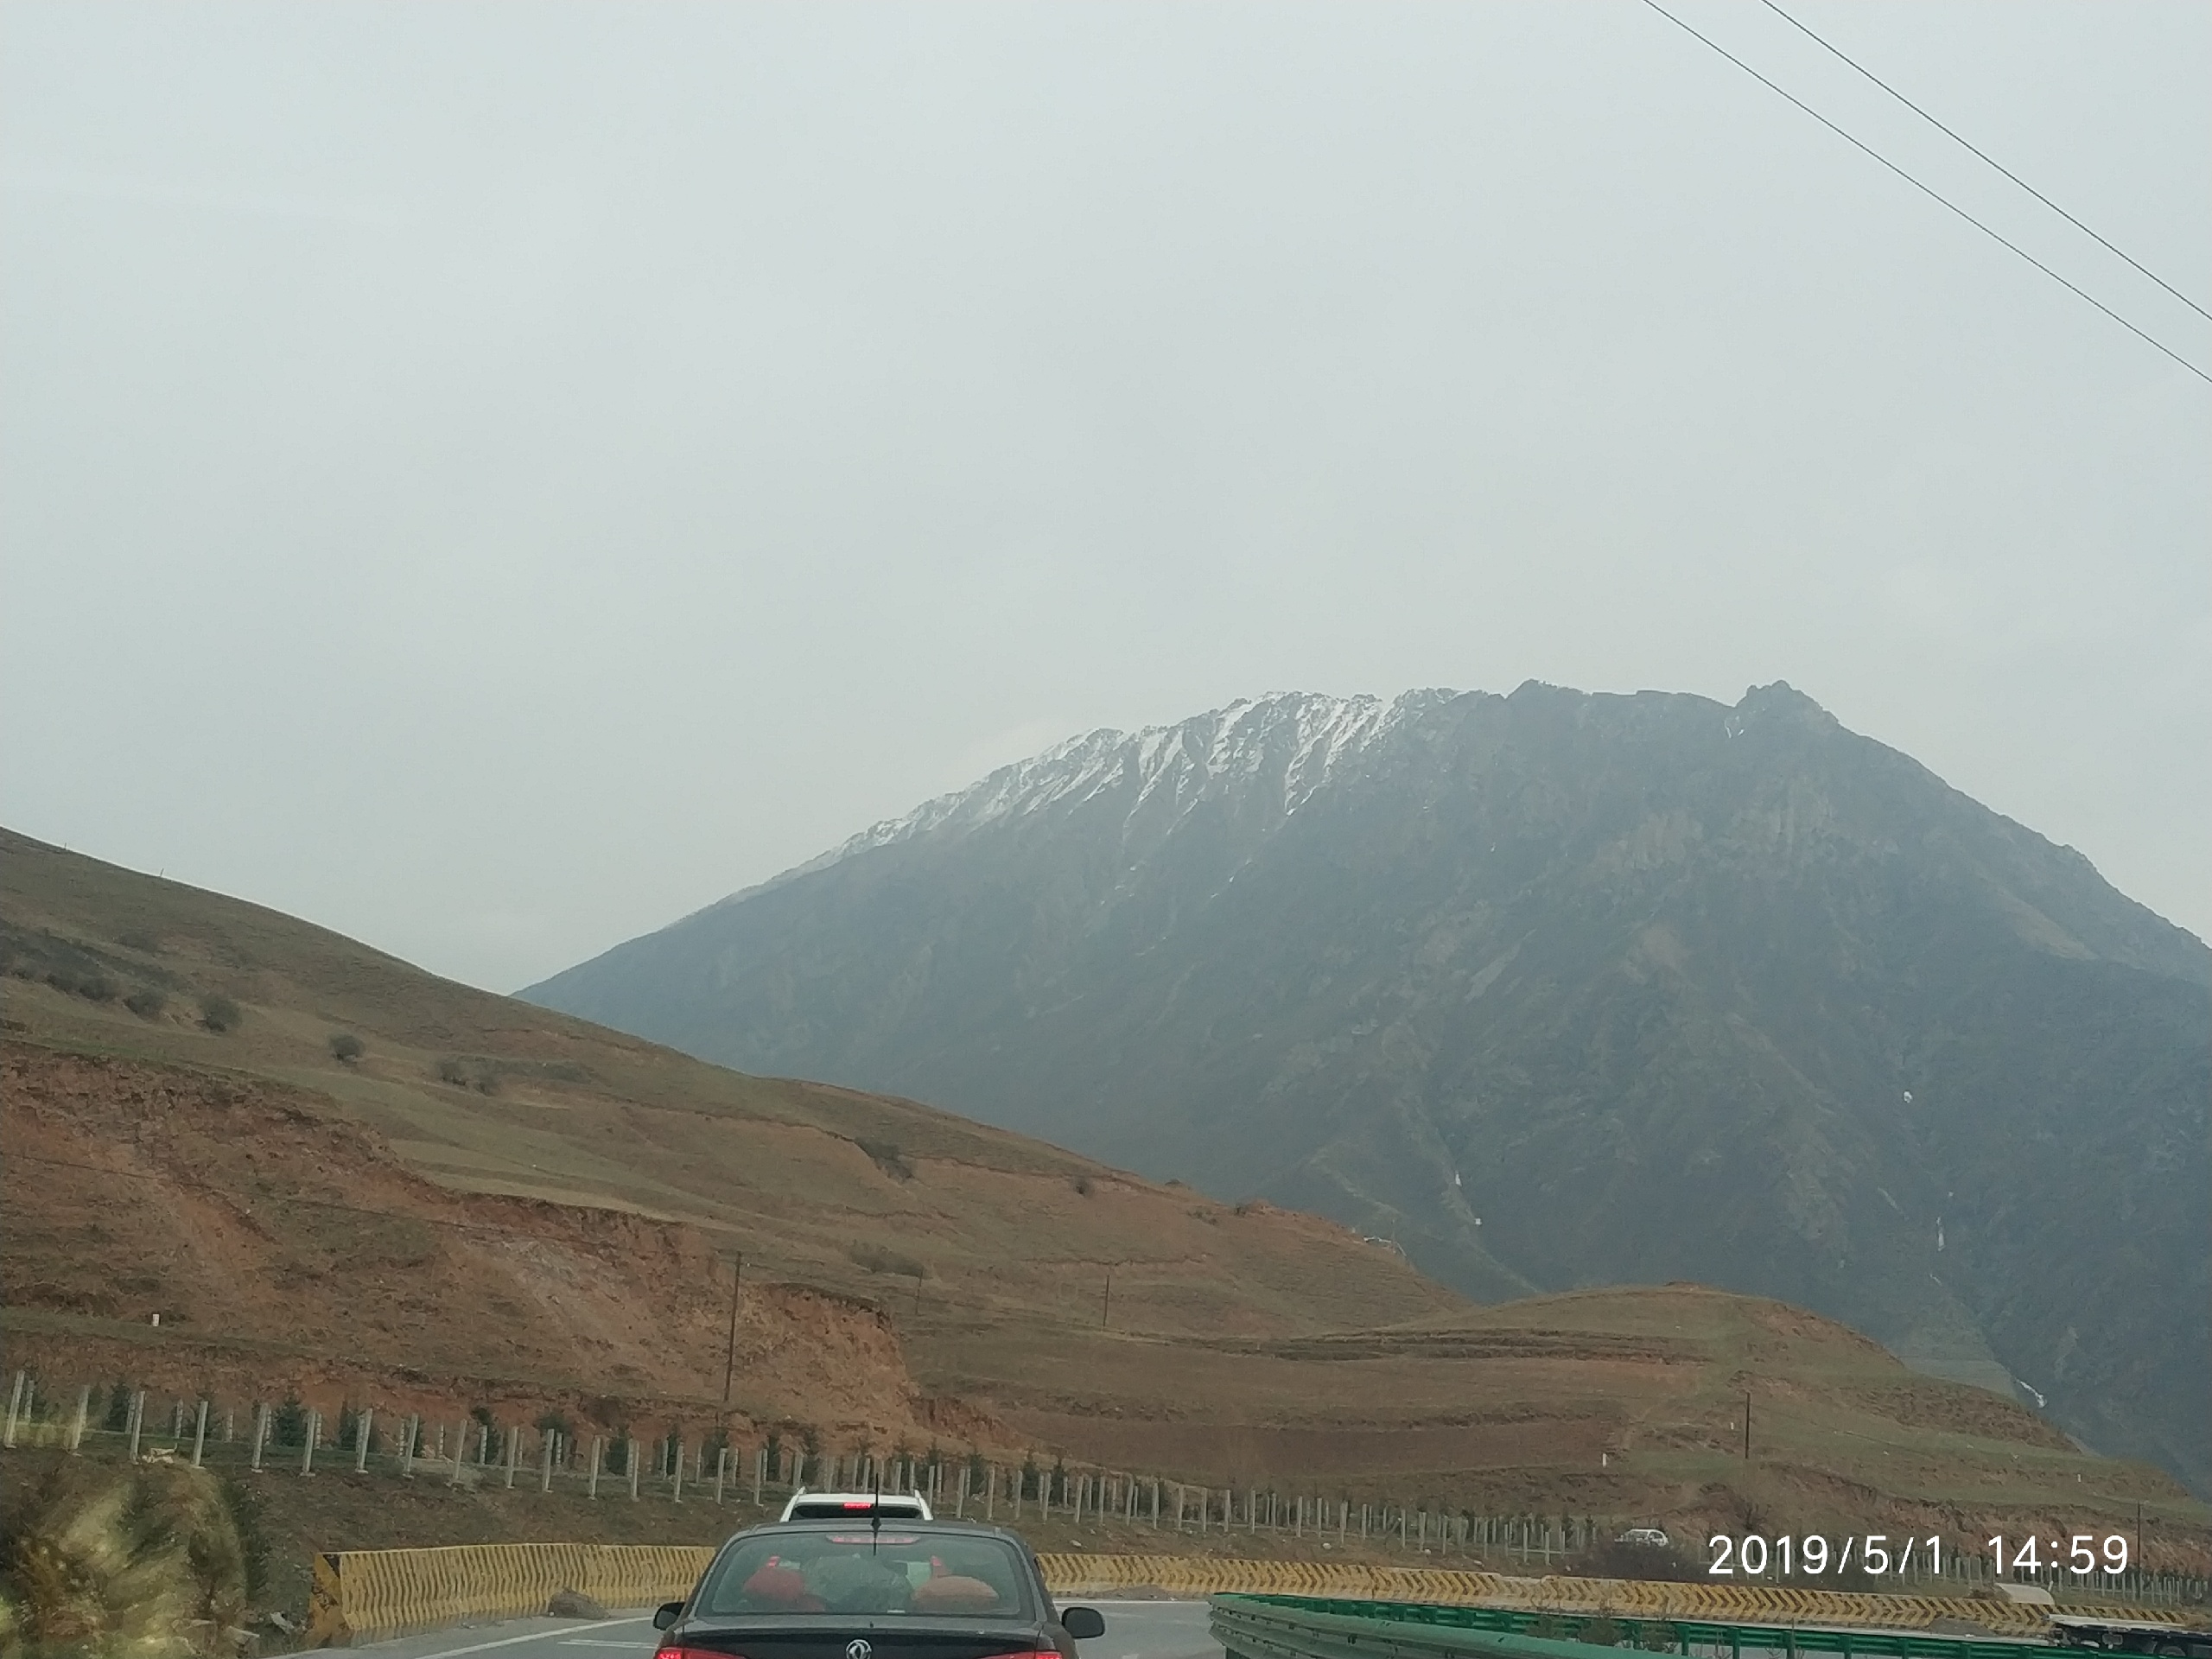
x,y
1135,1629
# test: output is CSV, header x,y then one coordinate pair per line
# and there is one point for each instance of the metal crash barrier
x,y
1311,1627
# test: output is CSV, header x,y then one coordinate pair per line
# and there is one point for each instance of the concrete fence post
x,y
514,1454
84,1410
460,1449
14,1406
630,1462
1155,1502
409,1432
759,1474
307,1449
260,1435
598,1447
137,1421
676,1488
362,1425
545,1460
198,1431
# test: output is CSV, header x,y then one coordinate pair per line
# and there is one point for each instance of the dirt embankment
x,y
285,1250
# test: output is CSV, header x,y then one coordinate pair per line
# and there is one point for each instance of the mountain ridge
x,y
1463,970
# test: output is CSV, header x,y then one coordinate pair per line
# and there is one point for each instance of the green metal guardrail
x,y
1318,1627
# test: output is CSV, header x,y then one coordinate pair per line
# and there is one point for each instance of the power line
x,y
1930,192
1839,53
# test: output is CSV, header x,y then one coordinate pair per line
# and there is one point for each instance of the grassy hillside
x,y
491,1202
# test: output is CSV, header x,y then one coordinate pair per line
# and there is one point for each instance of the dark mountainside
x,y
1555,990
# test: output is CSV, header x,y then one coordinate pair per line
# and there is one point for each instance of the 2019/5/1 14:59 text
x,y
1814,1555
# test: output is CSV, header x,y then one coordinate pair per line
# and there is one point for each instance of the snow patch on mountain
x,y
1288,745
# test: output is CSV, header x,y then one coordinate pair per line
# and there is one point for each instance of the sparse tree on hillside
x,y
288,1424
345,1047
219,1014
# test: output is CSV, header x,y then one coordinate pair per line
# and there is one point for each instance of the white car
x,y
835,1506
1651,1535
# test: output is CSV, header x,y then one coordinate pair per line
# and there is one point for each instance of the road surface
x,y
1135,1629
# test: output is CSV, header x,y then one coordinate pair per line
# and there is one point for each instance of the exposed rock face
x,y
1553,989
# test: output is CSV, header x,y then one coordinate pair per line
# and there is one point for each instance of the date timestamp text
x,y
1878,1554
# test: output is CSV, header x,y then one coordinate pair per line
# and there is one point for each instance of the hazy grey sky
x,y
492,478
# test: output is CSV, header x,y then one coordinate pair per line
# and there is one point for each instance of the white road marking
x,y
535,1635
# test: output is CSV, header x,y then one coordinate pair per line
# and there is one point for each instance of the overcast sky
x,y
491,479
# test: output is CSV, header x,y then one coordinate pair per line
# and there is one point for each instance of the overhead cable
x,y
1930,192
1838,53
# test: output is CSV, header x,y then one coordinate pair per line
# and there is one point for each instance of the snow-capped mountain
x,y
1277,750
1549,989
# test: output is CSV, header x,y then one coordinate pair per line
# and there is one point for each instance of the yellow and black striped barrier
x,y
1714,1603
362,1593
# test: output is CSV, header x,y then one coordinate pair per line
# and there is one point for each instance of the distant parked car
x,y
1650,1536
843,1506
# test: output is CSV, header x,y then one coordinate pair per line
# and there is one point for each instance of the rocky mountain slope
x,y
1551,989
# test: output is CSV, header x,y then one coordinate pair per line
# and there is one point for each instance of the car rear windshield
x,y
835,1508
902,1569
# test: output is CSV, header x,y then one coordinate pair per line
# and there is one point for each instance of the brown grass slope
x,y
552,1226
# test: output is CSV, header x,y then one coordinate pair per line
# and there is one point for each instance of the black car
x,y
872,1587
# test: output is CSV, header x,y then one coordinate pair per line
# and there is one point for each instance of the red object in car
x,y
693,1653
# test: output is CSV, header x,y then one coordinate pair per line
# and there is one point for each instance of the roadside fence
x,y
551,1454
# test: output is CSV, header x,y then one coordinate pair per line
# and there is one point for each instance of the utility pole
x,y
1747,1425
729,1361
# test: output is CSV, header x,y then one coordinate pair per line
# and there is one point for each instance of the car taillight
x,y
676,1650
